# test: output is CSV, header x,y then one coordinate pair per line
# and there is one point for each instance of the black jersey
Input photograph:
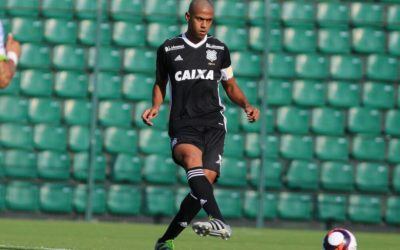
x,y
194,72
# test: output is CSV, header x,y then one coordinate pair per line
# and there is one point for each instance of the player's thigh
x,y
188,155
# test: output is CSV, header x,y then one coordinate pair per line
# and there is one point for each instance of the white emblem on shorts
x,y
219,160
211,55
174,141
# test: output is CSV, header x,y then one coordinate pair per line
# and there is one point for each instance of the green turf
x,y
39,234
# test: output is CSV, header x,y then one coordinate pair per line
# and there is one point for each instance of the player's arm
x,y
159,90
236,95
8,67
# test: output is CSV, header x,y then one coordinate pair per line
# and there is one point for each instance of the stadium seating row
x,y
161,201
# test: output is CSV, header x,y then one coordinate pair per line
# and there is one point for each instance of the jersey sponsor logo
x,y
171,48
178,58
213,46
194,74
211,55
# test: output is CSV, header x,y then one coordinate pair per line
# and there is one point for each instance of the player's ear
x,y
187,16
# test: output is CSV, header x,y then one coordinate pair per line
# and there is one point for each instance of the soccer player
x,y
10,60
195,63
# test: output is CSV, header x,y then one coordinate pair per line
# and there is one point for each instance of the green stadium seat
x,y
57,9
393,43
232,117
159,32
160,122
393,17
59,31
87,31
50,137
109,59
378,95
331,207
77,112
346,67
13,86
69,57
34,56
26,29
257,38
56,198
124,200
372,177
295,206
246,64
148,136
281,65
251,205
87,9
36,83
81,166
13,109
247,126
368,40
396,179
98,199
79,139
279,92
332,14
53,165
364,120
22,196
159,201
292,120
330,170
343,94
234,145
256,11
137,87
16,135
115,113
108,85
127,168
183,7
23,8
297,13
70,84
272,173
296,147
334,40
159,170
327,121
120,140
332,148
366,14
44,110
146,57
249,87
382,67
230,12
126,10
365,209
236,37
20,163
309,93
233,172
366,147
392,214
253,149
303,175
229,202
312,66
161,11
393,155
299,40
127,34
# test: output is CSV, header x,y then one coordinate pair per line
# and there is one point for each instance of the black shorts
x,y
210,140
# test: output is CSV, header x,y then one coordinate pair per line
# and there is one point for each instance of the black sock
x,y
190,206
203,190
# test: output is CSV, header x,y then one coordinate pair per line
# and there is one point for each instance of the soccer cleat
x,y
167,245
213,227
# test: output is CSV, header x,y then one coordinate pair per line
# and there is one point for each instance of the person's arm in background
x,y
8,66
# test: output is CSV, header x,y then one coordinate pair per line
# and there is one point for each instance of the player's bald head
x,y
198,5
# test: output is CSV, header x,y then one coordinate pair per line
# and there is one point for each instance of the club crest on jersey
x,y
211,55
194,74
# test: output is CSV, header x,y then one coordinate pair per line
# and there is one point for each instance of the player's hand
x,y
148,115
252,113
13,45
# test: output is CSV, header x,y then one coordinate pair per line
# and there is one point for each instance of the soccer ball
x,y
339,239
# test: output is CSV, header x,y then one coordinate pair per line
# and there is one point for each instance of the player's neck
x,y
192,38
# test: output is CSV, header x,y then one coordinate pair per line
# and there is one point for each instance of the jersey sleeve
x,y
161,64
226,67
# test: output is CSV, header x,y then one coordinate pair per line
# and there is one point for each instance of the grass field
x,y
52,235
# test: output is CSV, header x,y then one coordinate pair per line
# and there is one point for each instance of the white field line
x,y
7,247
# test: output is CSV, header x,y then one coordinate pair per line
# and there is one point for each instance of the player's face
x,y
199,22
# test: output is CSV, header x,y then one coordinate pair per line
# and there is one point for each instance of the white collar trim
x,y
194,45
